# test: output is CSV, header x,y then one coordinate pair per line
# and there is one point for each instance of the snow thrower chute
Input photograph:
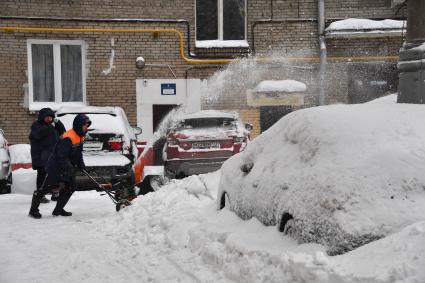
x,y
111,190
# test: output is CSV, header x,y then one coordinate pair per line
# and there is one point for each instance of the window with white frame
x,y
56,72
221,20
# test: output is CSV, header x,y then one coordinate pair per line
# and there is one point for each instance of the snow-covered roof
x,y
364,27
280,86
208,114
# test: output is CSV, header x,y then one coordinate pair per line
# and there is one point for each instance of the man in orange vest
x,y
66,157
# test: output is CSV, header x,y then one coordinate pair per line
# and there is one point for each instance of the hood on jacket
x,y
45,112
78,123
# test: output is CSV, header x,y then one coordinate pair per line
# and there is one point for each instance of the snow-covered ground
x,y
177,235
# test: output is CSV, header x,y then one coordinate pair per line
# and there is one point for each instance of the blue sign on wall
x,y
168,89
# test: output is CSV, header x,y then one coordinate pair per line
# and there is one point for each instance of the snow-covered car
x,y
6,165
341,175
188,144
200,142
109,150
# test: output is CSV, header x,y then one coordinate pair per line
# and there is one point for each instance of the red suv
x,y
200,142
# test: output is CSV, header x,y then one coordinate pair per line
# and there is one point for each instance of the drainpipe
x,y
322,43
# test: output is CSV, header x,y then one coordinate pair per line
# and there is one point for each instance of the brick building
x,y
83,52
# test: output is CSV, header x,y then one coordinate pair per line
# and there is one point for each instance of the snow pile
x,y
24,181
398,258
20,153
365,24
177,235
348,174
280,86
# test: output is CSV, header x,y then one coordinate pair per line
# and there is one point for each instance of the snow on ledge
x,y
365,28
280,86
221,43
365,24
419,48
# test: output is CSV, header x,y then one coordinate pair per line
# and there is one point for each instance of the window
x,y
220,21
56,73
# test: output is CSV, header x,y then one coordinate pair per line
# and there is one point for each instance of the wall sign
x,y
168,89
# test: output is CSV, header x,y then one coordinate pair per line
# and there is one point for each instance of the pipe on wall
x,y
190,54
323,53
98,30
181,45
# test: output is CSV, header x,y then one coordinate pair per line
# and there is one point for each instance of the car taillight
x,y
115,144
171,139
185,145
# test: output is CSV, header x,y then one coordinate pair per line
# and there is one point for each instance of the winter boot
x,y
63,199
34,214
35,203
63,212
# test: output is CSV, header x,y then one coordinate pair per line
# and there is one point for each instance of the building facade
x,y
74,52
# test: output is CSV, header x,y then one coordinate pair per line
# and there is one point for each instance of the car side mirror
x,y
249,126
137,131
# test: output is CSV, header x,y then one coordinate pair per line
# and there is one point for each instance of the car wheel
x,y
290,228
225,201
287,224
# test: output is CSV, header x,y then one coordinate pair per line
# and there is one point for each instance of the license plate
x,y
205,145
92,145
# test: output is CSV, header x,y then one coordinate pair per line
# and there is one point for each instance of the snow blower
x,y
112,190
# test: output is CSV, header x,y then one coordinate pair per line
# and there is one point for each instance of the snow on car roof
x,y
104,119
209,114
280,86
87,109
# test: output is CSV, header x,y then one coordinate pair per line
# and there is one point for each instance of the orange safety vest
x,y
74,137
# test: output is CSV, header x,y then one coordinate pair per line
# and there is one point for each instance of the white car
x,y
341,175
5,165
110,149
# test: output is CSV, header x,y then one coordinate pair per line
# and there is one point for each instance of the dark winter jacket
x,y
68,154
43,138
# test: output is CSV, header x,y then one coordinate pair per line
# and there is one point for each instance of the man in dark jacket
x,y
67,156
45,133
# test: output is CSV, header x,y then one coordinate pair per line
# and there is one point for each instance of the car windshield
x,y
207,123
